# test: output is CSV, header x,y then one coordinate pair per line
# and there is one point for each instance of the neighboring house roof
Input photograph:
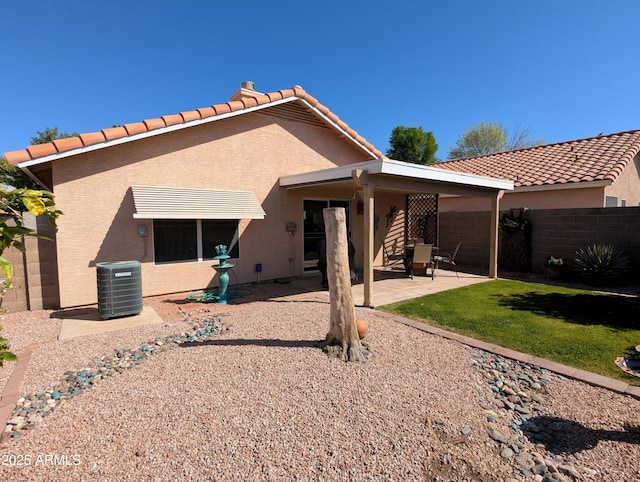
x,y
294,104
601,158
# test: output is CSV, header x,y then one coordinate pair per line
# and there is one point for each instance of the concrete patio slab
x,y
91,323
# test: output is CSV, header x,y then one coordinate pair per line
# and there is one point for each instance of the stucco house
x,y
601,171
253,173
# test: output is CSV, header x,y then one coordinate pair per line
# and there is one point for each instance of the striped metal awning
x,y
153,202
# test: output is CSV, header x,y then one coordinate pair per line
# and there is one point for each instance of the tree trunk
x,y
342,340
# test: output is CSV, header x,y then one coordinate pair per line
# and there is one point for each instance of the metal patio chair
x,y
422,259
449,258
392,254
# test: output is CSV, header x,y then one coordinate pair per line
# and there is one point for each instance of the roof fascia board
x,y
391,166
323,176
394,168
412,185
154,132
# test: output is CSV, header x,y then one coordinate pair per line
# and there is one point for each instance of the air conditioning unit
x,y
119,289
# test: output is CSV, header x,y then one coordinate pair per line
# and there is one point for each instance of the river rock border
x,y
32,407
513,395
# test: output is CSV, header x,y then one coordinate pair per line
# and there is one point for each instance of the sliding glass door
x,y
314,227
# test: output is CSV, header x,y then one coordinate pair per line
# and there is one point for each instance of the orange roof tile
x,y
60,146
601,158
114,133
67,143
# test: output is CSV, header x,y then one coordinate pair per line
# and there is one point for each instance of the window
x,y
215,232
610,201
177,240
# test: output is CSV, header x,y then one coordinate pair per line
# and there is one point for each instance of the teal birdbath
x,y
222,268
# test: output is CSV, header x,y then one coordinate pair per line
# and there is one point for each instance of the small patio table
x,y
408,256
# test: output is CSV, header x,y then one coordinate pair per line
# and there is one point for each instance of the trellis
x,y
422,217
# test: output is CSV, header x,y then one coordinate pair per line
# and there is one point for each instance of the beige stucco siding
x,y
248,152
549,199
626,186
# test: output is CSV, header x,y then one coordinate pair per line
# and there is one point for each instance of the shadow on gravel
x,y
562,436
270,342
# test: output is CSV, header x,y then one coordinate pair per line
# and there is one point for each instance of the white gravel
x,y
265,403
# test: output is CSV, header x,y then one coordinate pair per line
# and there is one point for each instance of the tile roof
x,y
249,101
601,158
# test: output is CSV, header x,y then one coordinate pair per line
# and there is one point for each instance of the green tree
x,y
12,176
50,134
12,232
489,137
412,144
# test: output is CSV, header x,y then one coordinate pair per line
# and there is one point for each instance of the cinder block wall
x,y
561,232
472,230
35,277
556,232
15,299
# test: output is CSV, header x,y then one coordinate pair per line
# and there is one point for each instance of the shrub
x,y
553,261
602,263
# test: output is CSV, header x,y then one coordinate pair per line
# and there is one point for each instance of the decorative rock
x,y
499,436
552,478
568,470
466,430
539,469
506,453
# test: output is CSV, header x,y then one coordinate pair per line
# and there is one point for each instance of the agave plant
x,y
602,263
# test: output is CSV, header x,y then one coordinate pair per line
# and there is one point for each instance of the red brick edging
x,y
11,392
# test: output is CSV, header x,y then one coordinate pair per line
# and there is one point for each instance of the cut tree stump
x,y
342,340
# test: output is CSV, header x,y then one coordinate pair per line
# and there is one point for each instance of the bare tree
x,y
520,138
342,340
489,137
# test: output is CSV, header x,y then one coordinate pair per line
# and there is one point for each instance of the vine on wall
x,y
514,253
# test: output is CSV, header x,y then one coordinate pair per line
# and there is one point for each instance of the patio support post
x,y
493,243
361,179
367,194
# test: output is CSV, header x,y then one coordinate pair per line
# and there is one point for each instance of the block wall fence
x,y
554,232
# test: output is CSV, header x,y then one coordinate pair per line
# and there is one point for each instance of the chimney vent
x,y
247,89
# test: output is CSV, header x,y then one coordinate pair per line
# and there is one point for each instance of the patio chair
x,y
448,258
392,254
422,259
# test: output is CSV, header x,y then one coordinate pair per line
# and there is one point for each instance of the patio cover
x,y
154,202
391,175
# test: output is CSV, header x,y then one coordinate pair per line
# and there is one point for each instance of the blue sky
x,y
563,69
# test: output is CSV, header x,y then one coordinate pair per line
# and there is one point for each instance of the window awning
x,y
154,202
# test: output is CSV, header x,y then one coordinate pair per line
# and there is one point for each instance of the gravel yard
x,y
262,401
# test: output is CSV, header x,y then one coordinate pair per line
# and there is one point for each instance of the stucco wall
x,y
249,152
549,199
627,186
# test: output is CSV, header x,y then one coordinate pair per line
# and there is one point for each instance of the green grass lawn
x,y
578,328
